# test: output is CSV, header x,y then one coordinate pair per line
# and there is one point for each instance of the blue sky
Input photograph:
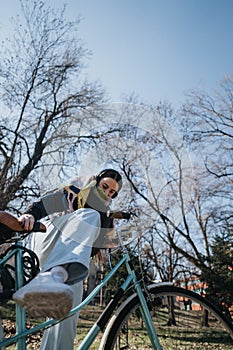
x,y
157,49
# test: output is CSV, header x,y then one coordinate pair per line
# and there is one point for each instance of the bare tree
x,y
45,101
209,119
138,149
179,198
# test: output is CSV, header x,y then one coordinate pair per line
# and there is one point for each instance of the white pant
x,y
61,336
68,239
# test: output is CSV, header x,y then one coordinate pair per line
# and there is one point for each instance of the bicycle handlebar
x,y
11,223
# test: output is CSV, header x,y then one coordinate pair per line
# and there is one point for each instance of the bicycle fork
x,y
148,320
145,312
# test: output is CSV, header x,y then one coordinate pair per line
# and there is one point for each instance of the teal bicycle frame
x,y
22,332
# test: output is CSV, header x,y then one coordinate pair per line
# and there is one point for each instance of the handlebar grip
x,y
38,227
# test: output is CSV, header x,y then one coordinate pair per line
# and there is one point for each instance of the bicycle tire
x,y
126,330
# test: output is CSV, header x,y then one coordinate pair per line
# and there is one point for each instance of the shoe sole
x,y
50,304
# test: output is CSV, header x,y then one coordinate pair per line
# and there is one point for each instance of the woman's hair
x,y
112,174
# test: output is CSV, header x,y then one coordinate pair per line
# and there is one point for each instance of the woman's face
x,y
109,186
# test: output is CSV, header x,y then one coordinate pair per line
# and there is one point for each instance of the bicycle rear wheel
x,y
183,320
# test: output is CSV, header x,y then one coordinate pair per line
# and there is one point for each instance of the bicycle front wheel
x,y
183,320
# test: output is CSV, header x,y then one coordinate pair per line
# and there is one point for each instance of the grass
x,y
91,313
86,319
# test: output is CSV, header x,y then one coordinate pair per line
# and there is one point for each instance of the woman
x,y
77,221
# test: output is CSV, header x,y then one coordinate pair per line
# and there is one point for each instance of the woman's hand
x,y
27,221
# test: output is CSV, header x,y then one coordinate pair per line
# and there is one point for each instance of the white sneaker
x,y
46,295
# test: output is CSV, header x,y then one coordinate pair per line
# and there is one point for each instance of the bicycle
x,y
151,317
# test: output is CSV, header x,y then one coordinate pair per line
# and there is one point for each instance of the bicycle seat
x,y
9,224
